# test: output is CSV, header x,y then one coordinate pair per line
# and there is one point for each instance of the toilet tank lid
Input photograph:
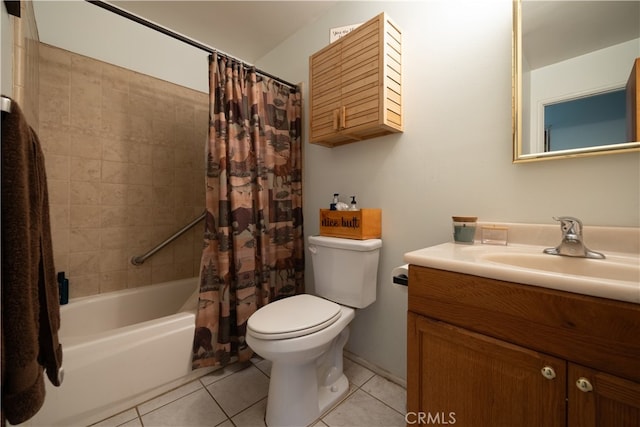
x,y
347,244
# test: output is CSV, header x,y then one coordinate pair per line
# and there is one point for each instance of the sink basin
x,y
616,277
603,269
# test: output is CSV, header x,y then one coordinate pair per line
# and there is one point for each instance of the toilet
x,y
303,335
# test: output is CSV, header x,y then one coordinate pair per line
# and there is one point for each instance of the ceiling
x,y
247,30
552,30
557,30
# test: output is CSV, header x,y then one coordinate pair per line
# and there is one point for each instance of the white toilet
x,y
303,335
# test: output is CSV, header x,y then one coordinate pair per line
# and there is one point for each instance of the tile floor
x,y
237,396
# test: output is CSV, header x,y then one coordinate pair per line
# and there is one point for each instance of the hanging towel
x,y
30,305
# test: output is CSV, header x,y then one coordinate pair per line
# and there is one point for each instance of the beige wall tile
x,y
139,174
54,138
140,216
115,149
85,216
115,78
115,172
85,169
55,66
59,216
163,178
84,239
84,144
58,192
84,193
113,216
84,285
84,263
60,240
54,103
163,273
114,238
138,276
123,163
141,239
115,122
140,128
115,260
140,153
113,281
113,194
139,195
57,167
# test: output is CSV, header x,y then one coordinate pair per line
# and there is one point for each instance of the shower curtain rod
x,y
180,37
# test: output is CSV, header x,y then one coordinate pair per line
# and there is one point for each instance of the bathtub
x,y
120,349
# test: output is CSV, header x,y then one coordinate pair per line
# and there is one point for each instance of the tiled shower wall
x,y
125,166
25,62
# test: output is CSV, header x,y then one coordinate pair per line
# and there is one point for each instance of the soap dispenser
x,y
354,205
334,205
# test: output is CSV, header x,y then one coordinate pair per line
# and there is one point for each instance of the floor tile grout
x,y
356,370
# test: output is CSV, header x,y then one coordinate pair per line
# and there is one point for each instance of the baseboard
x,y
376,369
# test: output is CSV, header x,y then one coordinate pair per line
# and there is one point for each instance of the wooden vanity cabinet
x,y
493,353
355,85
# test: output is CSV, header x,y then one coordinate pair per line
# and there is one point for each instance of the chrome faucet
x,y
572,244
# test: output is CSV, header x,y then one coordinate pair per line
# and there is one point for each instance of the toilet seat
x,y
292,317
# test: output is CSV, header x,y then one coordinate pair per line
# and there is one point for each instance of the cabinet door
x,y
597,399
361,85
478,380
324,82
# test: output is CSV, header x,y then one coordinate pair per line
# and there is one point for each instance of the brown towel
x,y
30,305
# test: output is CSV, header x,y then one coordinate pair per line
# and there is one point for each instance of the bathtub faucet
x,y
572,243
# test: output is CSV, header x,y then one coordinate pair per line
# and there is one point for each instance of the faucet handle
x,y
569,225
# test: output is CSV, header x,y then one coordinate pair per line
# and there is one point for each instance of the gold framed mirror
x,y
576,66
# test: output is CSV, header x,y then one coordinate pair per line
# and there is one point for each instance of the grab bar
x,y
139,260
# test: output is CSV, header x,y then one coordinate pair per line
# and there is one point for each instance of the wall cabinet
x,y
494,353
355,85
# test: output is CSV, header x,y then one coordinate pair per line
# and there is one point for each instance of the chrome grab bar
x,y
139,260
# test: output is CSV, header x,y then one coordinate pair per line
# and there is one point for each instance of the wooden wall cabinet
x,y
494,353
355,85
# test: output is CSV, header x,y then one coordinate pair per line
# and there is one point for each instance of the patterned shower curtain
x,y
253,241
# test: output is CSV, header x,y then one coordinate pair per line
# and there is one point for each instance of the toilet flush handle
x,y
313,249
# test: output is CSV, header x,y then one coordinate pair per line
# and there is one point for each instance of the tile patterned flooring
x,y
237,396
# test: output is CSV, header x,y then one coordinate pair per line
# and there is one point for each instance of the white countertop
x,y
479,260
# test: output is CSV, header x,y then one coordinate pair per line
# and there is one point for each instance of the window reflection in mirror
x,y
565,54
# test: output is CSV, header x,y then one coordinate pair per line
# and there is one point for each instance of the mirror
x,y
574,70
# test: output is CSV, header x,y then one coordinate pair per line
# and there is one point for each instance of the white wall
x,y
86,29
454,157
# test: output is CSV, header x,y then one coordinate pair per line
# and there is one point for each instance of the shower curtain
x,y
253,241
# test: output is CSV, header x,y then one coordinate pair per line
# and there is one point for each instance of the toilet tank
x,y
345,270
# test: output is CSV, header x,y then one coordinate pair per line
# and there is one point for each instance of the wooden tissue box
x,y
361,224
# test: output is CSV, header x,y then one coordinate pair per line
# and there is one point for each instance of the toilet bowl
x,y
305,380
304,335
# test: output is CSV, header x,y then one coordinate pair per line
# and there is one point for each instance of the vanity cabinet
x,y
355,85
493,353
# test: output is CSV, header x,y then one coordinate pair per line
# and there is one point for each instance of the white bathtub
x,y
120,349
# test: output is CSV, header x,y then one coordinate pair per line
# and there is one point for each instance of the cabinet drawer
x,y
595,332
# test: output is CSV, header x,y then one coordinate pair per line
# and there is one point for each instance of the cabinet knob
x,y
548,372
584,385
